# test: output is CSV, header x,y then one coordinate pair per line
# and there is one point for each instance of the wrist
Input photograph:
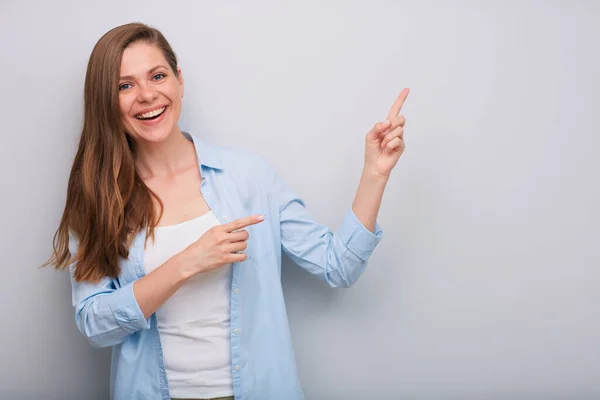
x,y
370,174
182,265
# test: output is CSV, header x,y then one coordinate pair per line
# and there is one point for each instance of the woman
x,y
174,245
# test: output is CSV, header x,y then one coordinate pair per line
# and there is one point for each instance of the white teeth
x,y
151,113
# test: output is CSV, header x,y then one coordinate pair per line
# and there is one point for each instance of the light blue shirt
x,y
235,183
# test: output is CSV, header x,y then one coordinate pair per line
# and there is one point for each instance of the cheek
x,y
175,94
175,98
123,105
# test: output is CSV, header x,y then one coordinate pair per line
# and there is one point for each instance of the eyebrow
x,y
149,72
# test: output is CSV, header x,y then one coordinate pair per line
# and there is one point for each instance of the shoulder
x,y
239,161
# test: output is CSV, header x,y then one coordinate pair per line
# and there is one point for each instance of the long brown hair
x,y
107,202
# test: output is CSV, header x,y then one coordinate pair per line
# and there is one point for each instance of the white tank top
x,y
194,323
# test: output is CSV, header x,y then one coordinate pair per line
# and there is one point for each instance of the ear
x,y
180,79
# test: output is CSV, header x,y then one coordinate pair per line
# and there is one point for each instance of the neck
x,y
166,158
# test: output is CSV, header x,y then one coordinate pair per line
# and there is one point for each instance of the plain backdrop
x,y
486,284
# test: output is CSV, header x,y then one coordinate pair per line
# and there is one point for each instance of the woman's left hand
x,y
385,142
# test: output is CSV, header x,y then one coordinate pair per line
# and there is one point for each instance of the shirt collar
x,y
208,155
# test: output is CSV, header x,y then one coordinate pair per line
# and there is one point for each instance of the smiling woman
x,y
150,93
156,236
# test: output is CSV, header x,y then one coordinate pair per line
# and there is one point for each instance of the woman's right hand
x,y
220,245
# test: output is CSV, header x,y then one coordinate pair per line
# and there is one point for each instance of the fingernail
x,y
261,217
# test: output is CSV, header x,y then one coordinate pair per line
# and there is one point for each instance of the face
x,y
149,93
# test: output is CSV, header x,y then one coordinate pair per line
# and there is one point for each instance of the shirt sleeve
x,y
104,314
339,258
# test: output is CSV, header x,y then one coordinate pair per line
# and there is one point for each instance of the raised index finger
x,y
243,222
397,106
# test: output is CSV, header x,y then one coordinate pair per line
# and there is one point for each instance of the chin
x,y
153,137
156,134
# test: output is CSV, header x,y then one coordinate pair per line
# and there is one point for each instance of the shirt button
x,y
236,331
207,193
236,290
237,367
224,217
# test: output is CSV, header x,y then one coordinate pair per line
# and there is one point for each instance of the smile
x,y
151,114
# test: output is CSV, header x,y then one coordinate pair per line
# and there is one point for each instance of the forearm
x,y
154,289
368,198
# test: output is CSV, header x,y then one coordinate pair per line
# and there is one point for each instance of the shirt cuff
x,y
358,239
127,311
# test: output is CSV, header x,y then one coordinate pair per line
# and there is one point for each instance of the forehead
x,y
140,57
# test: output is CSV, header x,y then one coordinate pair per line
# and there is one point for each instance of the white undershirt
x,y
194,323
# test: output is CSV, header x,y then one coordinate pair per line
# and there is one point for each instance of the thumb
x,y
378,129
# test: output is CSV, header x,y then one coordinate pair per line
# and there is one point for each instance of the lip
x,y
148,109
151,122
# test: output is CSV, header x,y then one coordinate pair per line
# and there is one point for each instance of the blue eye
x,y
161,76
124,86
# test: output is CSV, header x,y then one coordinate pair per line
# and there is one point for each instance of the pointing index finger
x,y
397,106
243,222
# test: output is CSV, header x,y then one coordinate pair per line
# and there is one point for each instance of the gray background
x,y
487,282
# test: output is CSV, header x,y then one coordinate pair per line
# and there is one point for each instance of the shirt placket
x,y
210,195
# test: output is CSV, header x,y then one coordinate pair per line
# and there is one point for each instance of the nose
x,y
146,93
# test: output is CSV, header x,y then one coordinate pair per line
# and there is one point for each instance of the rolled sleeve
x,y
104,314
127,311
358,239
